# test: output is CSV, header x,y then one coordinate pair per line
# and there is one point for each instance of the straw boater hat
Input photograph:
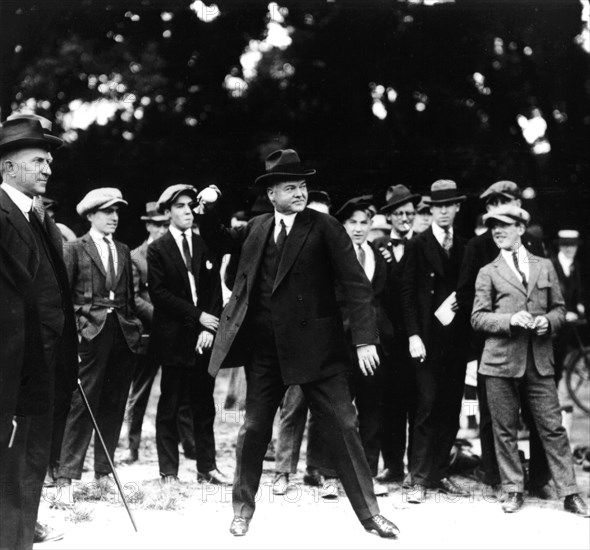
x,y
283,165
568,237
507,213
444,192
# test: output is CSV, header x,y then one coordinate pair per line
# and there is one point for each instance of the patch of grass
x,y
79,514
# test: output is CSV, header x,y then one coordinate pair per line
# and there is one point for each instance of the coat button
x,y
303,323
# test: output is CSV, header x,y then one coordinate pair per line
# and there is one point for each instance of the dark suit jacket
x,y
425,284
87,277
176,319
499,294
318,256
143,303
571,287
21,366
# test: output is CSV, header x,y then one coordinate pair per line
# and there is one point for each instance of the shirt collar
x,y
97,236
22,201
564,260
177,233
521,254
393,235
289,219
439,232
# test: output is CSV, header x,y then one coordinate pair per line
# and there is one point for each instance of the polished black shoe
x,y
448,486
313,477
378,525
44,533
215,477
131,457
513,503
389,476
239,526
576,505
416,494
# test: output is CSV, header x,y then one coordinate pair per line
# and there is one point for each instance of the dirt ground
x,y
194,515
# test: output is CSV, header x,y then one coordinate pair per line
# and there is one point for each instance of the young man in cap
x,y
156,225
480,251
429,279
38,363
185,288
101,279
284,323
399,381
518,305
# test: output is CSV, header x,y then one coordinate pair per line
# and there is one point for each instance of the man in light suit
x,y
283,322
518,306
38,359
101,280
185,288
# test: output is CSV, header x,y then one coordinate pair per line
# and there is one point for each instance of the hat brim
x,y
489,218
567,241
163,206
276,177
156,219
347,211
448,200
48,141
487,197
414,199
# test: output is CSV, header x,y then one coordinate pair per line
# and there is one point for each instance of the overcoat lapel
x,y
253,249
431,250
196,259
17,219
121,261
171,248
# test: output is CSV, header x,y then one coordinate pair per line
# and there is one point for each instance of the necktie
x,y
111,276
447,243
522,275
39,208
361,255
282,236
397,242
186,251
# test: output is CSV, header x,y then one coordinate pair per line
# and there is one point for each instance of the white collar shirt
x,y
566,263
103,251
288,219
369,259
23,202
399,250
439,233
177,235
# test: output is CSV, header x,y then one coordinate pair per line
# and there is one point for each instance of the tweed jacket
x,y
499,294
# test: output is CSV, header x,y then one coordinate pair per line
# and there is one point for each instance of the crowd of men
x,y
366,319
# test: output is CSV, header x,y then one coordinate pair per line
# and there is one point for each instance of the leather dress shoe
x,y
381,526
215,477
329,489
513,503
449,487
131,457
389,476
313,477
239,526
280,484
416,494
576,505
44,533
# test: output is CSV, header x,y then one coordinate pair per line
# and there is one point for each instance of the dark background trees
x,y
371,93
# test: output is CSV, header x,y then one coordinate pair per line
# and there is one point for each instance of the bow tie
x,y
397,242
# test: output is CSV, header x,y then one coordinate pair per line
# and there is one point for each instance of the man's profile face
x,y
507,235
105,220
358,226
156,229
288,197
402,218
444,214
181,215
30,168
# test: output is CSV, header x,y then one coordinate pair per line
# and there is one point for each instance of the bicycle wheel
x,y
578,378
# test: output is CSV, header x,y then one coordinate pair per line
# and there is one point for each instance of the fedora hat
x,y
444,192
363,202
398,195
568,237
171,193
507,213
283,165
152,214
99,199
21,132
45,122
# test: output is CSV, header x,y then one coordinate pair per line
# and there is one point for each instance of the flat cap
x,y
171,193
363,202
507,213
506,188
99,199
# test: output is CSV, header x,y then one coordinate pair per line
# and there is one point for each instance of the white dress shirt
x,y
566,263
369,259
22,201
103,251
439,233
523,263
177,234
398,251
289,220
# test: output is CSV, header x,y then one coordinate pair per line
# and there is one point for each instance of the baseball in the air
x,y
208,195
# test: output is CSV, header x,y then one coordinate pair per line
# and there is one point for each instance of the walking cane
x,y
84,398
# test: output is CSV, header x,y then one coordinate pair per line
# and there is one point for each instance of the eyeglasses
x,y
401,213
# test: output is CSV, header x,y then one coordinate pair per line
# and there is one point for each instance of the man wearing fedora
x,y
399,380
480,251
518,305
429,279
284,323
101,281
38,365
156,225
185,288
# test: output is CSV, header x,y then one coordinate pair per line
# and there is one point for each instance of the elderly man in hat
x,y
480,251
101,279
185,288
428,284
156,225
518,305
38,362
399,392
283,322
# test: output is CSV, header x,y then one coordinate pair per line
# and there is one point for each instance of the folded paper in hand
x,y
445,313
